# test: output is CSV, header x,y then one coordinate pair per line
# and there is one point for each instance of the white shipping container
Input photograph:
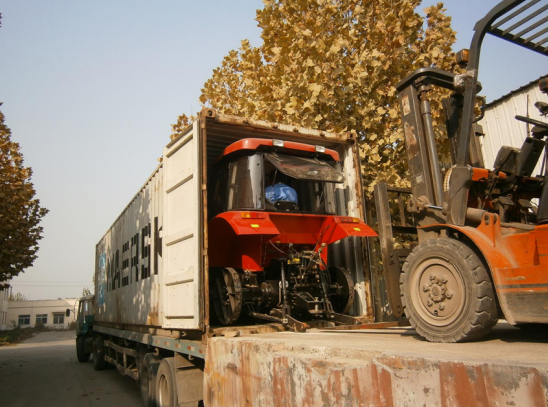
x,y
150,264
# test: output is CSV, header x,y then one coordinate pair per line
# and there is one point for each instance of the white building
x,y
500,125
5,291
51,313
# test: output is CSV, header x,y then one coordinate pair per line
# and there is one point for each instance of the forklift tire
x,y
99,362
81,353
447,293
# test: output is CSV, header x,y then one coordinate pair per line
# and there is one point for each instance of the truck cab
x,y
84,328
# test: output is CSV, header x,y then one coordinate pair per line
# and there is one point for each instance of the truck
x,y
244,227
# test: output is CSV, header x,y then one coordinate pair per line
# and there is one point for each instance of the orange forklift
x,y
482,249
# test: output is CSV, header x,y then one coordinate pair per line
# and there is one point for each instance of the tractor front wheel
x,y
447,293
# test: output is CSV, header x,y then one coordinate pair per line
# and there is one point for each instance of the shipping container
x,y
151,264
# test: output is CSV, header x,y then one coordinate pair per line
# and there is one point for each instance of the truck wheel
x,y
148,369
99,362
166,386
447,293
81,353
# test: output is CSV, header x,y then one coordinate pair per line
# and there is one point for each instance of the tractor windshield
x,y
305,168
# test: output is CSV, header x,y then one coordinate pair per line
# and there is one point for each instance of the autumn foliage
x,y
20,212
333,65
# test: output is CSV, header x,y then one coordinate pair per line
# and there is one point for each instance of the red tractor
x,y
273,217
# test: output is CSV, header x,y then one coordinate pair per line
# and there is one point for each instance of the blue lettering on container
x,y
102,279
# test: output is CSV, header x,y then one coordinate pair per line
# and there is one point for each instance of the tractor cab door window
x,y
217,194
245,183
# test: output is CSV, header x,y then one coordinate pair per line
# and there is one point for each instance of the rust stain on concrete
x,y
245,372
457,388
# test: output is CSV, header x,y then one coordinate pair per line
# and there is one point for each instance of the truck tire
x,y
447,293
148,369
81,353
166,385
99,362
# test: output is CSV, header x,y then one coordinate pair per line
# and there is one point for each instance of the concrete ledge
x,y
376,368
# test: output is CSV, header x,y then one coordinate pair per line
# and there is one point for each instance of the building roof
x,y
512,93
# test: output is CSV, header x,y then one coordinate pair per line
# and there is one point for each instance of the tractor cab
x,y
276,176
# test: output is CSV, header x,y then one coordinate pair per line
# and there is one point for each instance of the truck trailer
x,y
244,227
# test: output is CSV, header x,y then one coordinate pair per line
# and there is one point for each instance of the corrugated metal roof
x,y
510,94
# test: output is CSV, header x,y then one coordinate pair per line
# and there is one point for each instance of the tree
x,y
333,65
86,291
18,297
20,212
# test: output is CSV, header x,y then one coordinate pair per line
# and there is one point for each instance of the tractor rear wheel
x,y
447,293
343,300
226,294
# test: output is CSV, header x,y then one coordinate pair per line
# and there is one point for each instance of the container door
x,y
181,233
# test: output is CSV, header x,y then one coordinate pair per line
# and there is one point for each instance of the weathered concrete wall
x,y
342,369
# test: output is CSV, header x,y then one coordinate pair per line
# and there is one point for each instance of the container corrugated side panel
x,y
128,257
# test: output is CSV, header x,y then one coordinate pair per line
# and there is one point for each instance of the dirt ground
x,y
44,371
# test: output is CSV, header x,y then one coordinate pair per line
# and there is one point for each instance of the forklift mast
x,y
527,29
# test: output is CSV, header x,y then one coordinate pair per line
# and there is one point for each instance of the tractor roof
x,y
282,145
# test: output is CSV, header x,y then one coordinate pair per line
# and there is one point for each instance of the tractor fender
x,y
242,225
339,227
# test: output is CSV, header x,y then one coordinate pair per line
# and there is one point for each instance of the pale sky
x,y
90,90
